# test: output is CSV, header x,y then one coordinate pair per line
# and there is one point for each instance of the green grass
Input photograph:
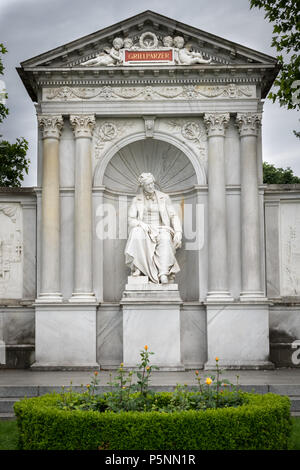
x,y
9,435
294,443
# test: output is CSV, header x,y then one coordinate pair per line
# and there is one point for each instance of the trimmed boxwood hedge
x,y
262,422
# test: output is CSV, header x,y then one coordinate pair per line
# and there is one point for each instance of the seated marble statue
x,y
155,234
109,57
185,56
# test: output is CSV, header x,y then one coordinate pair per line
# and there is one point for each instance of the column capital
x,y
51,125
248,123
216,123
82,124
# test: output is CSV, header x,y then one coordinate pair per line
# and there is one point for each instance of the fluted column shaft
x,y
83,126
248,124
51,126
216,124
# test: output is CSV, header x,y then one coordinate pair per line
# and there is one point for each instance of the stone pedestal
x,y
65,337
238,334
151,316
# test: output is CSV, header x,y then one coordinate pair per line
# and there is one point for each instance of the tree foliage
x,y
13,161
273,175
285,14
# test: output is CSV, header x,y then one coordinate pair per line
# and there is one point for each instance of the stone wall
x,y
17,275
282,228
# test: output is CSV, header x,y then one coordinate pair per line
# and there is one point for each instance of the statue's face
x,y
149,186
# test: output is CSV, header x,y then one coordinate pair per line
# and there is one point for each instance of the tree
x,y
273,175
286,39
13,161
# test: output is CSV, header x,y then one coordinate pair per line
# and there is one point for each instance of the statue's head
x,y
118,43
179,42
147,180
128,43
168,41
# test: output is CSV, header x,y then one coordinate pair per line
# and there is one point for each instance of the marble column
x,y
248,124
216,124
83,126
51,126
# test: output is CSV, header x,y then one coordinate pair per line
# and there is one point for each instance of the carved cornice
x,y
248,123
216,123
51,125
82,125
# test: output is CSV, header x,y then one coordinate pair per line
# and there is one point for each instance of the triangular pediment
x,y
146,33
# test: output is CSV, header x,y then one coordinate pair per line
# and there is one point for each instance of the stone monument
x,y
149,95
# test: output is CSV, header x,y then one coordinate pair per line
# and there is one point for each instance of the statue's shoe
x,y
164,279
136,272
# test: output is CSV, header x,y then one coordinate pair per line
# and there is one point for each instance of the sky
x,y
31,27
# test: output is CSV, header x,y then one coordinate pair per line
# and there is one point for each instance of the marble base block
x,y
65,337
238,335
151,316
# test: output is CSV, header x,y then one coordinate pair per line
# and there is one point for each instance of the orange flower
x,y
208,381
196,372
146,347
95,373
217,359
147,368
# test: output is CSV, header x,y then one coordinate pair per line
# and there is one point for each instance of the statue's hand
x,y
144,226
177,240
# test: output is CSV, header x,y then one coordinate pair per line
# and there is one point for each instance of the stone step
x,y
7,416
7,405
295,404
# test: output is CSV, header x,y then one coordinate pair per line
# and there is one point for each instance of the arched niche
x,y
176,176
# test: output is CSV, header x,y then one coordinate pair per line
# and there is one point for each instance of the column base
x,y
49,298
253,296
219,296
83,297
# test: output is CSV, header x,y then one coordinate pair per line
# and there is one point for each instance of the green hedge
x,y
262,422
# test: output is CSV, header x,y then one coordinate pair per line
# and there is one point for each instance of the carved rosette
x,y
51,125
83,125
248,123
216,123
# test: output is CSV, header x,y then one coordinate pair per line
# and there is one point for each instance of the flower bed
x,y
262,422
215,415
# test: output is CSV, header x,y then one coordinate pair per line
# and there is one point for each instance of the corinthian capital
x,y
248,123
51,125
83,124
216,123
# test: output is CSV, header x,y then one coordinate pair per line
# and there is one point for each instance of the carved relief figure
x,y
155,234
109,57
185,56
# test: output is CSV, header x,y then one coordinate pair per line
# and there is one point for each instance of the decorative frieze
x,y
151,93
108,131
11,251
216,123
248,123
192,132
82,125
51,125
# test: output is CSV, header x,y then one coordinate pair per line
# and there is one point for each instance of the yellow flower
x,y
122,364
123,387
208,381
146,347
147,368
88,386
